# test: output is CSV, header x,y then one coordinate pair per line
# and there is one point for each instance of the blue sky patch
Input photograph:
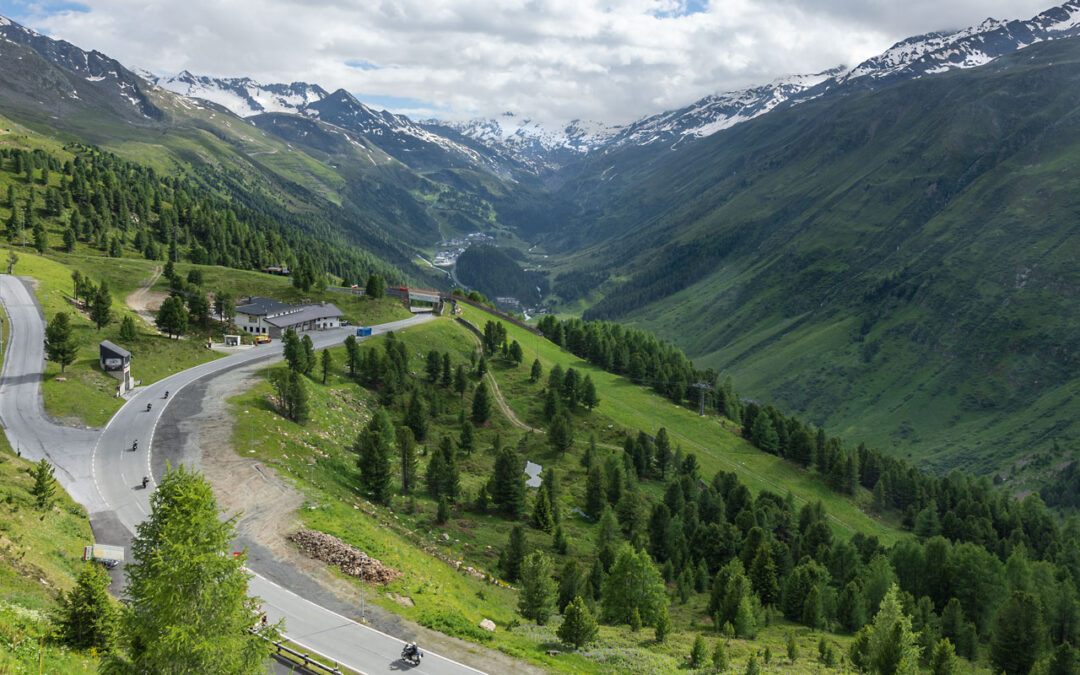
x,y
356,63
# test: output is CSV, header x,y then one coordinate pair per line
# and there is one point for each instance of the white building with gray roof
x,y
264,316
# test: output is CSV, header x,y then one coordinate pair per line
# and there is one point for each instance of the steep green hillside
x,y
898,266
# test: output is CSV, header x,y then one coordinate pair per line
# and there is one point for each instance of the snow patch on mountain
x,y
241,95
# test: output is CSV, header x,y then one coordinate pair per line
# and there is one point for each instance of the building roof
x,y
305,313
115,349
257,306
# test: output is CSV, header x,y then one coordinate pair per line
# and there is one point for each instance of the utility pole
x,y
311,484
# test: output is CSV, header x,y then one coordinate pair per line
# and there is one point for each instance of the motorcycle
x,y
412,654
166,394
134,445
147,407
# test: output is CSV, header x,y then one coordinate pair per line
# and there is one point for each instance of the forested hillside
x,y
81,194
895,265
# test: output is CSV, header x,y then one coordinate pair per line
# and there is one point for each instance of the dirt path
x,y
269,506
144,301
499,397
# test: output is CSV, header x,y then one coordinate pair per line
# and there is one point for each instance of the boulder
x,y
488,625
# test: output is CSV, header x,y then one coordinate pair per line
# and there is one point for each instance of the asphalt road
x,y
99,470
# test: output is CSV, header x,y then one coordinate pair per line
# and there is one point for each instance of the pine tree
x,y
541,515
943,661
662,626
100,312
537,598
511,558
813,615
309,351
633,582
579,626
352,355
792,647
635,620
891,648
550,483
60,345
698,652
561,433
415,418
481,407
406,448
127,328
572,583
595,494
1018,634
719,657
763,575
44,488
373,449
752,667
172,317
460,381
86,618
588,397
536,372
189,607
1065,661
447,377
508,483
443,513
327,363
466,442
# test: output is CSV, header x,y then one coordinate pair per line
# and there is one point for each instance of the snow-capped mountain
x,y
96,69
241,95
935,53
918,56
531,141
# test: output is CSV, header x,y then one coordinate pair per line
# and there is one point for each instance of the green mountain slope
x,y
899,266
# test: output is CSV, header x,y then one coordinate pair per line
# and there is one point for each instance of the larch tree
x,y
537,598
189,610
60,345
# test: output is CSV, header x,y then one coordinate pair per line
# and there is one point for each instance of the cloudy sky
x,y
551,60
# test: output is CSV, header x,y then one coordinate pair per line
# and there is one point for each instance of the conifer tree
x,y
792,647
559,541
373,447
86,618
511,558
541,514
763,575
579,626
633,582
44,488
891,645
406,447
719,657
537,598
60,345
467,441
442,514
189,607
100,308
595,494
536,371
352,355
662,625
415,418
460,381
588,396
561,433
447,377
309,351
550,483
698,652
327,362
127,328
943,661
172,317
572,583
1018,634
481,406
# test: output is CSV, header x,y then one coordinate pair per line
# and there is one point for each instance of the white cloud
x,y
552,60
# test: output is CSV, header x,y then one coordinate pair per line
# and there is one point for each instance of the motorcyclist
x,y
147,407
135,445
145,480
411,651
166,393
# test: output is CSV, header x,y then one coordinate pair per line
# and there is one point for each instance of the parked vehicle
x,y
109,556
262,339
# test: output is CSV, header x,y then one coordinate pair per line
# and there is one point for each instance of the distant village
x,y
449,250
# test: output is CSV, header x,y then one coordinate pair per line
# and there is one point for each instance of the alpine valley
x,y
888,251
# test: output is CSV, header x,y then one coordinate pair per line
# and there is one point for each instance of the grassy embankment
x,y
406,537
40,556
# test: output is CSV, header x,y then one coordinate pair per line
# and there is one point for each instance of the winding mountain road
x,y
99,470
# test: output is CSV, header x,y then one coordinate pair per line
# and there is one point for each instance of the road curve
x,y
100,471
